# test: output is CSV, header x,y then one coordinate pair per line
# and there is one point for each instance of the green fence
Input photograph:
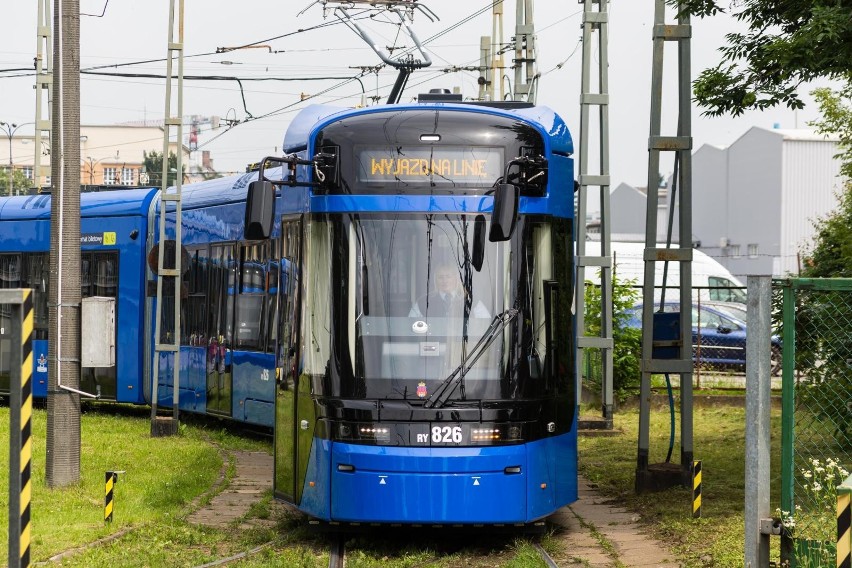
x,y
815,321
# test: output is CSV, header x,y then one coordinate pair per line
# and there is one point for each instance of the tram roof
x,y
114,203
314,117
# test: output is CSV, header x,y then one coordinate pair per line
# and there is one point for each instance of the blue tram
x,y
426,372
115,229
395,299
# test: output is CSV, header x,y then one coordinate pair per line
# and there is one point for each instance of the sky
x,y
131,31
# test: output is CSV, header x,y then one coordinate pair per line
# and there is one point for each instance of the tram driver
x,y
447,299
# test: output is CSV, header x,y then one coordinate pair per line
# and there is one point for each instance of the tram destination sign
x,y
479,165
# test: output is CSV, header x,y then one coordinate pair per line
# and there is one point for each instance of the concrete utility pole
x,y
63,400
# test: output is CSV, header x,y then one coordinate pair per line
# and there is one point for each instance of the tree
x,y
787,44
627,341
153,165
837,119
21,184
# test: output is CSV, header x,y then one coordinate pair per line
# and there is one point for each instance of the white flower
x,y
817,486
807,475
819,469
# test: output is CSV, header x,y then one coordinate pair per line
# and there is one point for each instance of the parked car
x,y
718,336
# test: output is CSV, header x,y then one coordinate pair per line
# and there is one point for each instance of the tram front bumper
x,y
485,485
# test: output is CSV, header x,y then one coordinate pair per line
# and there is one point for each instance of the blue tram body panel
x,y
112,221
316,492
429,485
254,388
440,485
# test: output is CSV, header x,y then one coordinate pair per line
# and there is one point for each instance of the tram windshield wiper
x,y
441,394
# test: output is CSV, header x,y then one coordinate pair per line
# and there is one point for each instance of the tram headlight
x,y
363,432
496,433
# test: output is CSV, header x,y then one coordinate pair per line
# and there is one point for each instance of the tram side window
x,y
37,277
10,277
85,274
564,367
105,274
194,316
251,296
221,302
289,284
273,277
10,270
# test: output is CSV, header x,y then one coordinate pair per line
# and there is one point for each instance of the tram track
x,y
336,553
545,556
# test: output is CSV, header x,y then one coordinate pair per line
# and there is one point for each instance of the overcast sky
x,y
135,31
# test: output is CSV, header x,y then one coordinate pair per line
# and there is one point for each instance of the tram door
x,y
287,357
220,340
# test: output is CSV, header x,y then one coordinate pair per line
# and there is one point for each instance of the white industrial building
x,y
754,202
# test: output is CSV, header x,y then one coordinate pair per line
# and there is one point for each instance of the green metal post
x,y
788,405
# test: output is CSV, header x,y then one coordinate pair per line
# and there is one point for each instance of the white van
x,y
710,280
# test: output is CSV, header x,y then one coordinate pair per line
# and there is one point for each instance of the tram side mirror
x,y
328,165
260,210
505,212
478,255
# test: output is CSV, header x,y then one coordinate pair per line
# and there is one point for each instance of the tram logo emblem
x,y
476,480
421,390
42,364
382,480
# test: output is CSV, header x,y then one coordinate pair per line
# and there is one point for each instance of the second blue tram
x,y
426,358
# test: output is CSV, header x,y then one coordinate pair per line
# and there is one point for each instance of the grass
x,y
162,477
165,475
719,442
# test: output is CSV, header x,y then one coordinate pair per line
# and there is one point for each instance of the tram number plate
x,y
446,435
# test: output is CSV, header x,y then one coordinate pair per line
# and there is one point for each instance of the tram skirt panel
x,y
429,485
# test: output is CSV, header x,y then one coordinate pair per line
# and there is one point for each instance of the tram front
x,y
432,375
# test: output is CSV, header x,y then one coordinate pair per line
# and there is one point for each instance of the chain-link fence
x,y
718,335
814,318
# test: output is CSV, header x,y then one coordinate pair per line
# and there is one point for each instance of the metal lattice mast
x,y
524,63
168,279
595,20
43,86
661,475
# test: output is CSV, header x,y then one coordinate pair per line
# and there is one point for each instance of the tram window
x,y
289,285
10,277
10,271
252,293
38,278
222,276
105,274
562,308
85,274
194,316
273,271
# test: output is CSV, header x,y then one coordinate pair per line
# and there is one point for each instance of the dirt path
x,y
600,534
253,478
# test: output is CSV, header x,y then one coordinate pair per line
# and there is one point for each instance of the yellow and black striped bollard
x,y
696,489
111,478
20,435
844,520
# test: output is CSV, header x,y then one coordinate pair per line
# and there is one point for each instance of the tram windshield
x,y
396,304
